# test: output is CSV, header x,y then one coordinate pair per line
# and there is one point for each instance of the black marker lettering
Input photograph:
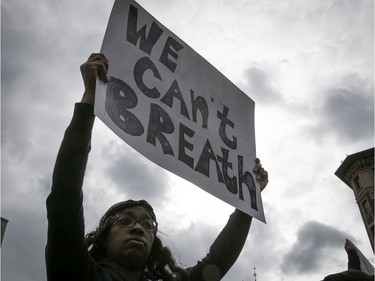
x,y
203,165
146,43
170,50
230,182
248,180
174,92
183,143
120,97
139,69
224,122
199,103
160,123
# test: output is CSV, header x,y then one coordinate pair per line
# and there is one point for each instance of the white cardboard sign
x,y
176,109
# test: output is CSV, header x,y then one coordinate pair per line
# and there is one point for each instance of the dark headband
x,y
118,207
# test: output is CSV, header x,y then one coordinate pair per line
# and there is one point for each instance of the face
x,y
130,247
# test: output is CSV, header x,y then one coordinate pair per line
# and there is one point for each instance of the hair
x,y
160,264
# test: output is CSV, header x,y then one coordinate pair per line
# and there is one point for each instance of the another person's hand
x,y
260,174
348,245
95,67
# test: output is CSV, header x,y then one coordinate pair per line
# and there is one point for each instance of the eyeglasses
x,y
128,222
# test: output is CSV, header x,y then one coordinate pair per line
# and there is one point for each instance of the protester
x,y
125,246
354,272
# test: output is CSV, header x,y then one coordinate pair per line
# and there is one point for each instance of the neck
x,y
134,275
132,272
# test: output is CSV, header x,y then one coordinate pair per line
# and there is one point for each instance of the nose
x,y
137,227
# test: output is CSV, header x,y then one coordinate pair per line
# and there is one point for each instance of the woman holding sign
x,y
125,246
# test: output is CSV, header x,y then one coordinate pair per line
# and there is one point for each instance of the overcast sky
x,y
309,67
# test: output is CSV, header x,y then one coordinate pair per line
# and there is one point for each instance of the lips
x,y
135,242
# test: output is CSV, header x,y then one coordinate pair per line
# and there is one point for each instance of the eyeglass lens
x,y
146,224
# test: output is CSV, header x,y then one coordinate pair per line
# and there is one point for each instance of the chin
x,y
138,255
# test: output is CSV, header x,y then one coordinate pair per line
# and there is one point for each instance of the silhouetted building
x,y
357,171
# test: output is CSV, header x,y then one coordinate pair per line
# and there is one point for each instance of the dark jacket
x,y
67,256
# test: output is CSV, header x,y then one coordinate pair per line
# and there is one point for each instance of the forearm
x,y
69,170
64,204
353,260
228,245
226,248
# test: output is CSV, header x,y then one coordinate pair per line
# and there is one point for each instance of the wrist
x,y
88,97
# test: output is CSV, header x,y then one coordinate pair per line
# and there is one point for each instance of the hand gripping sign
x,y
175,108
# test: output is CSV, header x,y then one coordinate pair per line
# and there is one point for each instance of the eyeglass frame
x,y
115,220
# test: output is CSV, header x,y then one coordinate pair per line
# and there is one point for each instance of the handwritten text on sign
x,y
175,108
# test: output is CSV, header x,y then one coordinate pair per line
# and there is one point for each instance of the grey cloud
x,y
198,235
38,75
261,87
347,111
39,69
130,172
24,244
314,241
260,251
26,90
25,236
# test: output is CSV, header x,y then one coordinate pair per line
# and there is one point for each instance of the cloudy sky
x,y
309,67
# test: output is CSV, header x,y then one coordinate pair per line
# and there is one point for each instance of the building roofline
x,y
347,163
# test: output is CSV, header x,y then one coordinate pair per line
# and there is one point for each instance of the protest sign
x,y
176,109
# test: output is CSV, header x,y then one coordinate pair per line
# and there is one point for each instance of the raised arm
x,y
228,245
66,251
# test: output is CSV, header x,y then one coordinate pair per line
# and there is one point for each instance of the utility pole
x,y
255,274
